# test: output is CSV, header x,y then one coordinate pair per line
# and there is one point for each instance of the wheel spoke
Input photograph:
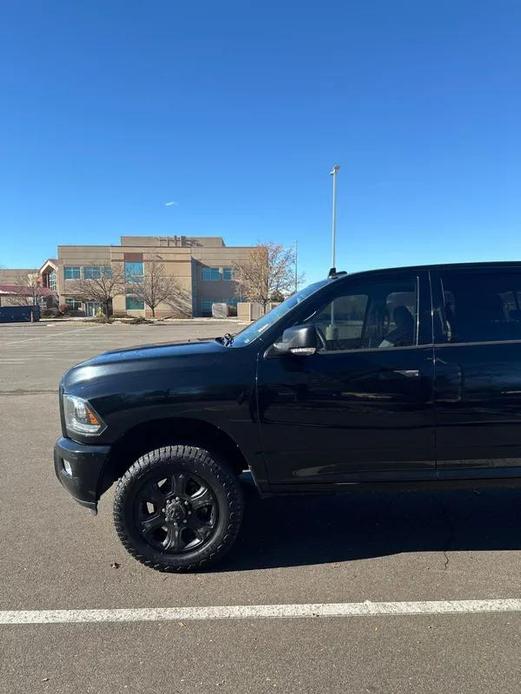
x,y
179,482
202,528
203,532
152,493
173,540
152,522
204,497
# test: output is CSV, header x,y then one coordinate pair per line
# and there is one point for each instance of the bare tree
x,y
180,303
28,290
267,272
156,287
109,283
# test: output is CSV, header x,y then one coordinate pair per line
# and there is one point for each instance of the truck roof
x,y
498,264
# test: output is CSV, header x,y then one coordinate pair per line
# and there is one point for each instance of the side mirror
x,y
300,340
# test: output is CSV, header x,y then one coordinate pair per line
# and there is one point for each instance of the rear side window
x,y
481,306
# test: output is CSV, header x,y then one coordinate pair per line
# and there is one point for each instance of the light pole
x,y
333,172
296,266
331,329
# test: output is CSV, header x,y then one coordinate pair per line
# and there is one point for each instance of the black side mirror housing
x,y
300,341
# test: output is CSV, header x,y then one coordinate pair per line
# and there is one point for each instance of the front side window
x,y
265,322
72,272
374,313
480,305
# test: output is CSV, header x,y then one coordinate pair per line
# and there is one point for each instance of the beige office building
x,y
201,265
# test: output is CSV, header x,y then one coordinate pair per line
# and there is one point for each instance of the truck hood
x,y
161,351
144,359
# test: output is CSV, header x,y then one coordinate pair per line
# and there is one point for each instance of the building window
x,y
72,272
73,304
133,303
134,271
206,305
211,274
94,272
214,274
51,280
91,272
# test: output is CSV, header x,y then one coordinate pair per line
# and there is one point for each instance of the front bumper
x,y
86,463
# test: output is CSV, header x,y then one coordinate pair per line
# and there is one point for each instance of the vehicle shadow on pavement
x,y
296,531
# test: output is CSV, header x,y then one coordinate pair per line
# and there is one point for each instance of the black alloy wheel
x,y
176,513
178,509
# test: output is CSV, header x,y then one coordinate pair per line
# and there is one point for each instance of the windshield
x,y
253,331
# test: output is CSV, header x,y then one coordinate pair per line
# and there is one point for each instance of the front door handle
x,y
394,374
408,373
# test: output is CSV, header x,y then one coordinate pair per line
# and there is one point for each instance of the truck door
x,y
361,407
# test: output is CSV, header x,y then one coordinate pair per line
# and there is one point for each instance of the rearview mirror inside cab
x,y
300,340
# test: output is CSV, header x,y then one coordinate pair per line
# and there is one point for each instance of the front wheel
x,y
178,509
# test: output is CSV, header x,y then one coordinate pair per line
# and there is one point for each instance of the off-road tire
x,y
219,478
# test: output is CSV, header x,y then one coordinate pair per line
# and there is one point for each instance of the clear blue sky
x,y
236,111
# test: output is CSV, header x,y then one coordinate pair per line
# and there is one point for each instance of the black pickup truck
x,y
407,376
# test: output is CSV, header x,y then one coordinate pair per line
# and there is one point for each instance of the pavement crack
x,y
450,533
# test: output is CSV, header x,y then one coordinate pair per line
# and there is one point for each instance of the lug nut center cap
x,y
174,511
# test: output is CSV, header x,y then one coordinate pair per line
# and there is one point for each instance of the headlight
x,y
80,417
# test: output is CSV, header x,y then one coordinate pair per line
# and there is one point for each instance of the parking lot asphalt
x,y
391,547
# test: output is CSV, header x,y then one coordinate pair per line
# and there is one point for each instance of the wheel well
x,y
162,432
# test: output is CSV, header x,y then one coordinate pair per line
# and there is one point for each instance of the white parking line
x,y
349,609
40,337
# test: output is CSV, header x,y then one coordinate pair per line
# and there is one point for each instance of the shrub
x,y
99,319
139,320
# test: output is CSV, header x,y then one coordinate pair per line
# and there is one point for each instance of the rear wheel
x,y
178,509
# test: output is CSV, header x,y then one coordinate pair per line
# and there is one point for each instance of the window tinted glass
x,y
71,272
347,313
133,303
92,272
377,313
254,330
211,274
481,306
133,271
